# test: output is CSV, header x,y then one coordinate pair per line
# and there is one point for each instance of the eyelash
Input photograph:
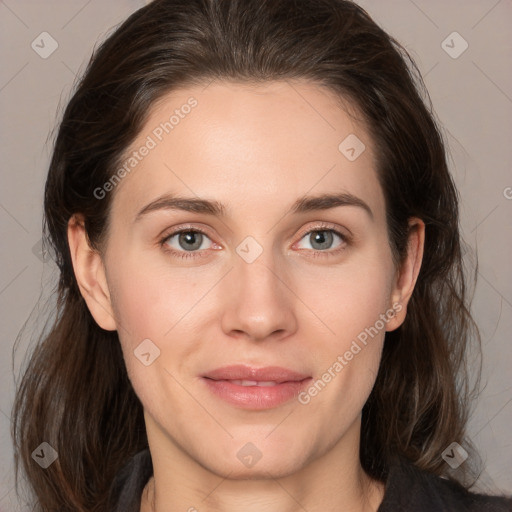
x,y
197,254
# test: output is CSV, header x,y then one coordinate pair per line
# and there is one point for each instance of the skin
x,y
256,148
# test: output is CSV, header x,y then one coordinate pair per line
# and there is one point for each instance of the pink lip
x,y
288,384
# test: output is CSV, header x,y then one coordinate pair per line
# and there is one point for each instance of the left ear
x,y
408,273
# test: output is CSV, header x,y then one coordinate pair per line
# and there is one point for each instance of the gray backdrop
x,y
463,48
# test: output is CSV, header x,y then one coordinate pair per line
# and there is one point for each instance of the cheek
x,y
150,299
146,306
159,304
347,299
353,303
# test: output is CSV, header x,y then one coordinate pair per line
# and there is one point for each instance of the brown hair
x,y
75,393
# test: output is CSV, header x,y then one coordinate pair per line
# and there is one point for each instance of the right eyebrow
x,y
187,204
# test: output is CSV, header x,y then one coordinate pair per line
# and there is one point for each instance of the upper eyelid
x,y
185,229
325,227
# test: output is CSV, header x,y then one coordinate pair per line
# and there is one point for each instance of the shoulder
x,y
127,487
411,489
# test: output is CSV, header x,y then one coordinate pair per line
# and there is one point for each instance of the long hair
x,y
75,394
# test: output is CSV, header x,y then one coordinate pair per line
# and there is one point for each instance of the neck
x,y
333,481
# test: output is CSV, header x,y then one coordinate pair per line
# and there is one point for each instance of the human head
x,y
171,45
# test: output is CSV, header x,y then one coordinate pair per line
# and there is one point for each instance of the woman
x,y
262,302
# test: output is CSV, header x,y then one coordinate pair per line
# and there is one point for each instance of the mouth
x,y
263,383
255,388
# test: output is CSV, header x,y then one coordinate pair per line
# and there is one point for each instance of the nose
x,y
259,303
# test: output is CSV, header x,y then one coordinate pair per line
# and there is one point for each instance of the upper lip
x,y
266,374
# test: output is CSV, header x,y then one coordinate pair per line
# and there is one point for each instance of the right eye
x,y
184,243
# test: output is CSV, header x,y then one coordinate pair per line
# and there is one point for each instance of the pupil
x,y
190,240
323,240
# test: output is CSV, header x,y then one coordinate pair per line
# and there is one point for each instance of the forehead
x,y
241,143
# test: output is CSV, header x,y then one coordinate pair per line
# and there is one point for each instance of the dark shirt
x,y
408,489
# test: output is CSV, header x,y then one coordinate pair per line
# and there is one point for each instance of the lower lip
x,y
256,397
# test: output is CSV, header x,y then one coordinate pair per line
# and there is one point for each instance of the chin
x,y
259,459
262,470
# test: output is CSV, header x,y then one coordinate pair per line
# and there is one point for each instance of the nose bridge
x,y
260,303
255,261
259,279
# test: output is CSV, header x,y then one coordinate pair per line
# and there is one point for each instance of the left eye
x,y
322,239
187,240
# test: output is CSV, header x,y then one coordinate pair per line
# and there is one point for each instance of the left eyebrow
x,y
328,201
215,208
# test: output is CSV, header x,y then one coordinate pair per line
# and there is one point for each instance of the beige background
x,y
472,96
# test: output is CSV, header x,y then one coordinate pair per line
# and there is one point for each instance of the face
x,y
251,311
